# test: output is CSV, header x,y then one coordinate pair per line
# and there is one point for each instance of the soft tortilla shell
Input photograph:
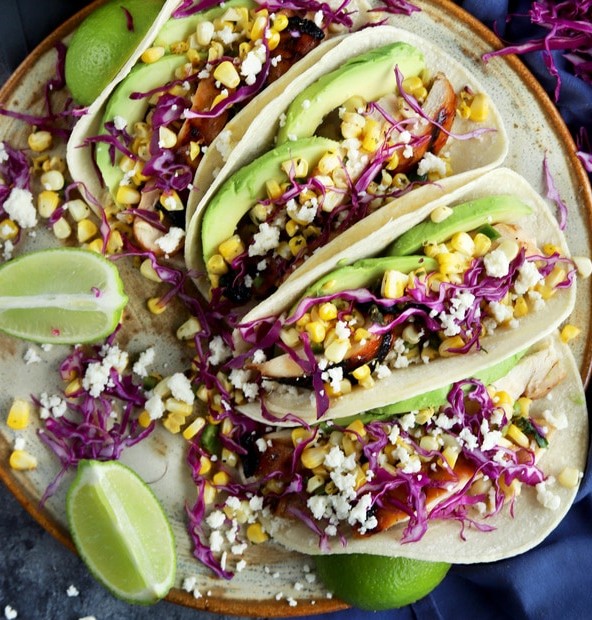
x,y
531,523
405,383
468,158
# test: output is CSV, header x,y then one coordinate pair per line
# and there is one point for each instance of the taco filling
x,y
333,167
433,297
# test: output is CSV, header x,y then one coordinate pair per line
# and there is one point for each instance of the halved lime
x,y
373,582
121,531
62,296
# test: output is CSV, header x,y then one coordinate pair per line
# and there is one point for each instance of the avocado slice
x,y
141,79
370,75
175,30
364,273
242,190
466,216
435,398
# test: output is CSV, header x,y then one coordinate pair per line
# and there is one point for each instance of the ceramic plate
x,y
535,130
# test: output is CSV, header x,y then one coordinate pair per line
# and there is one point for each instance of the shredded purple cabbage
x,y
553,194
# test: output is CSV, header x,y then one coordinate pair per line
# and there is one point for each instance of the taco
x,y
385,117
445,290
186,89
482,470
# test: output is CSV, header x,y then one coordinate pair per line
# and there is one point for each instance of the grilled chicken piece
x,y
439,106
522,238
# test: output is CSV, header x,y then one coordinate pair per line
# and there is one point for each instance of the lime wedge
x,y
62,296
121,531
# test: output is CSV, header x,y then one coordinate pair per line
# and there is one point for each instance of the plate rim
x,y
265,607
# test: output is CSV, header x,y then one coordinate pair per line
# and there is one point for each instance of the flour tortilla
x,y
468,158
531,522
407,382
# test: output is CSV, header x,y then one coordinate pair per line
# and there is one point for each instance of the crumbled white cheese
x,y
171,242
223,143
155,407
528,277
545,496
181,389
20,208
31,356
51,406
268,238
146,358
10,613
497,264
431,163
72,591
119,123
219,351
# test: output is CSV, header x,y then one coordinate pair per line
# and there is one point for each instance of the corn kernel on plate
x,y
534,130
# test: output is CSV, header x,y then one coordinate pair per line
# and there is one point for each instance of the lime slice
x,y
121,531
62,296
373,582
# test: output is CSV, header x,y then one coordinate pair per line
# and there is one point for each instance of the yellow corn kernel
x,y
463,243
179,47
215,51
454,342
569,332
502,398
258,28
545,291
96,245
357,427
351,129
292,227
220,478
205,465
297,244
173,405
557,275
280,22
152,54
336,351
172,425
316,331
394,283
300,434
144,419
479,109
78,209
429,442
53,163
314,483
217,265
450,455
297,167
569,477
167,138
393,163
523,406
274,191
85,230
227,74
424,415
361,334
411,84
231,248
451,262
517,436
328,163
61,229
482,244
39,141
192,430
127,195
412,334
53,180
290,337
155,305
8,229
188,329
148,271
47,203
256,534
312,457
274,40
520,307
361,373
439,214
510,490
19,414
371,135
21,460
204,33
327,311
115,242
209,494
73,387
303,320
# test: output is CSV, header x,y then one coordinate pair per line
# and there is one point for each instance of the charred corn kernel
x,y
479,109
74,387
179,47
462,242
85,230
47,203
327,311
8,229
439,214
411,334
451,262
115,242
517,436
274,191
292,227
337,350
317,331
258,213
432,249
52,180
297,167
39,141
61,229
314,484
446,346
569,477
393,284
127,195
155,305
152,54
204,33
520,307
350,130
18,414
400,181
312,457
21,460
144,419
450,455
482,244
523,406
256,534
357,427
361,373
569,332
217,265
297,244
258,28
227,74
231,248
300,434
583,265
148,271
327,164
557,275
188,329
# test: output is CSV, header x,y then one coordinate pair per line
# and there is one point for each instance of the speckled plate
x,y
534,128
